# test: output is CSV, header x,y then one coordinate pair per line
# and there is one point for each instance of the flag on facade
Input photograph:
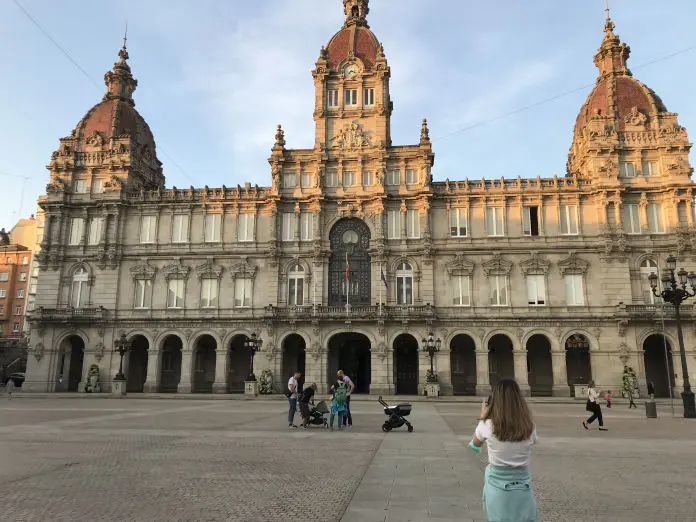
x,y
347,268
384,279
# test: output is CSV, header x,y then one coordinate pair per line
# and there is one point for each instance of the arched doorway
x,y
501,361
659,369
294,353
71,361
137,364
350,352
204,364
238,358
350,241
539,366
170,374
463,365
406,365
578,365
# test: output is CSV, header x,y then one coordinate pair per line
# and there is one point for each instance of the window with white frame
x,y
394,177
148,229
332,98
349,179
143,293
2,292
2,307
575,295
536,289
569,220
631,219
180,226
80,186
627,169
213,224
498,290
175,293
650,168
95,230
4,276
209,292
22,276
458,222
394,224
412,224
306,226
18,310
656,220
494,221
20,293
404,284
331,178
368,96
287,226
306,180
77,228
367,179
530,220
296,286
350,97
15,327
647,267
242,293
411,177
461,291
79,288
25,260
97,186
245,227
289,180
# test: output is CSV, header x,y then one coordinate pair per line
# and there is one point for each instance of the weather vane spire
x,y
608,24
123,53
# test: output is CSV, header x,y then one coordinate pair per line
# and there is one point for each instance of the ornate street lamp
x,y
122,345
254,345
431,346
675,291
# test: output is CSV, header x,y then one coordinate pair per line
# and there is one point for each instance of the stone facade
x,y
542,279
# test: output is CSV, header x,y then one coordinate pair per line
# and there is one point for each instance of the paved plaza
x,y
208,460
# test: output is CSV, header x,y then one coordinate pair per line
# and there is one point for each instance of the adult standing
x,y
594,407
507,427
306,397
347,417
291,394
651,390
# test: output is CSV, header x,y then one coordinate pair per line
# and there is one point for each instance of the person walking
x,y
594,407
307,397
10,387
631,402
608,398
350,388
507,428
291,394
339,400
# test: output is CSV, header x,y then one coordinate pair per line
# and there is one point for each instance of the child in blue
x,y
339,403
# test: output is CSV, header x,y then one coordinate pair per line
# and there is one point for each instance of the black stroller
x,y
396,416
317,414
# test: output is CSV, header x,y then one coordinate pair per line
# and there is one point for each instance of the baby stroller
x,y
317,414
396,416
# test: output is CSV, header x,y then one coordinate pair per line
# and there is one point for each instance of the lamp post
x,y
675,291
122,346
254,345
431,346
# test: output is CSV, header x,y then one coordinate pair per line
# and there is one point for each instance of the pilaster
x,y
153,371
483,386
186,368
220,384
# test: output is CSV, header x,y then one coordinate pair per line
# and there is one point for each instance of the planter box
x,y
118,388
432,390
251,388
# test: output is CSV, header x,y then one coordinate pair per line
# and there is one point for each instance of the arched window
x,y
296,286
404,284
647,267
78,295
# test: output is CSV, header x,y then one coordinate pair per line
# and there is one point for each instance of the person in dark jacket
x,y
651,390
307,397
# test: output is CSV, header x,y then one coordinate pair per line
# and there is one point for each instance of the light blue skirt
x,y
508,495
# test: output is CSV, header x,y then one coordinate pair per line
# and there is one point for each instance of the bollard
x,y
651,409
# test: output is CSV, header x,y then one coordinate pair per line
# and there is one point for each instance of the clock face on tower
x,y
351,71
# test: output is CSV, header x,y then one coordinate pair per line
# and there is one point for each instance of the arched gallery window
x,y
404,284
79,292
647,267
296,286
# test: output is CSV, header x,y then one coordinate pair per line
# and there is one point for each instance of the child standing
x,y
608,397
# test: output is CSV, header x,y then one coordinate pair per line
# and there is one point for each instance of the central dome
x,y
352,41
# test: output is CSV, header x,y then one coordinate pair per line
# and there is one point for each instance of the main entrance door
x,y
406,365
350,352
463,364
350,241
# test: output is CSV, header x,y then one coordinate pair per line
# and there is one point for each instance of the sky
x,y
501,81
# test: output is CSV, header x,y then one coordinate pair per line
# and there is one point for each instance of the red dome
x,y
356,39
114,118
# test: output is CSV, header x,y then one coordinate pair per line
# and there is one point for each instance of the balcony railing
x,y
68,314
656,311
350,311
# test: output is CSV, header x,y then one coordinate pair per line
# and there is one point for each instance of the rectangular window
x,y
350,97
458,222
80,186
404,290
331,178
499,293
242,293
2,308
4,276
631,219
412,224
25,260
23,276
209,293
77,226
367,179
536,290
15,327
573,289
175,293
245,227
147,229
306,226
18,310
627,169
212,228
296,291
32,288
20,293
411,177
394,224
180,225
494,221
289,180
656,222
368,96
394,177
569,220
461,291
95,230
287,226
349,179
650,168
530,221
306,180
143,293
97,186
2,292
332,98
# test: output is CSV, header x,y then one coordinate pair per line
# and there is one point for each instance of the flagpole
x,y
380,286
347,281
314,294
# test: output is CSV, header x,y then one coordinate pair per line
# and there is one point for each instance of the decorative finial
x,y
280,137
356,12
123,53
608,24
425,133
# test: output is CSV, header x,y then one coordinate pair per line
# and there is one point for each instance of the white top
x,y
510,454
592,394
348,382
293,381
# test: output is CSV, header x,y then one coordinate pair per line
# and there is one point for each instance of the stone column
x,y
560,374
220,384
381,381
483,386
521,374
444,371
153,371
186,368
